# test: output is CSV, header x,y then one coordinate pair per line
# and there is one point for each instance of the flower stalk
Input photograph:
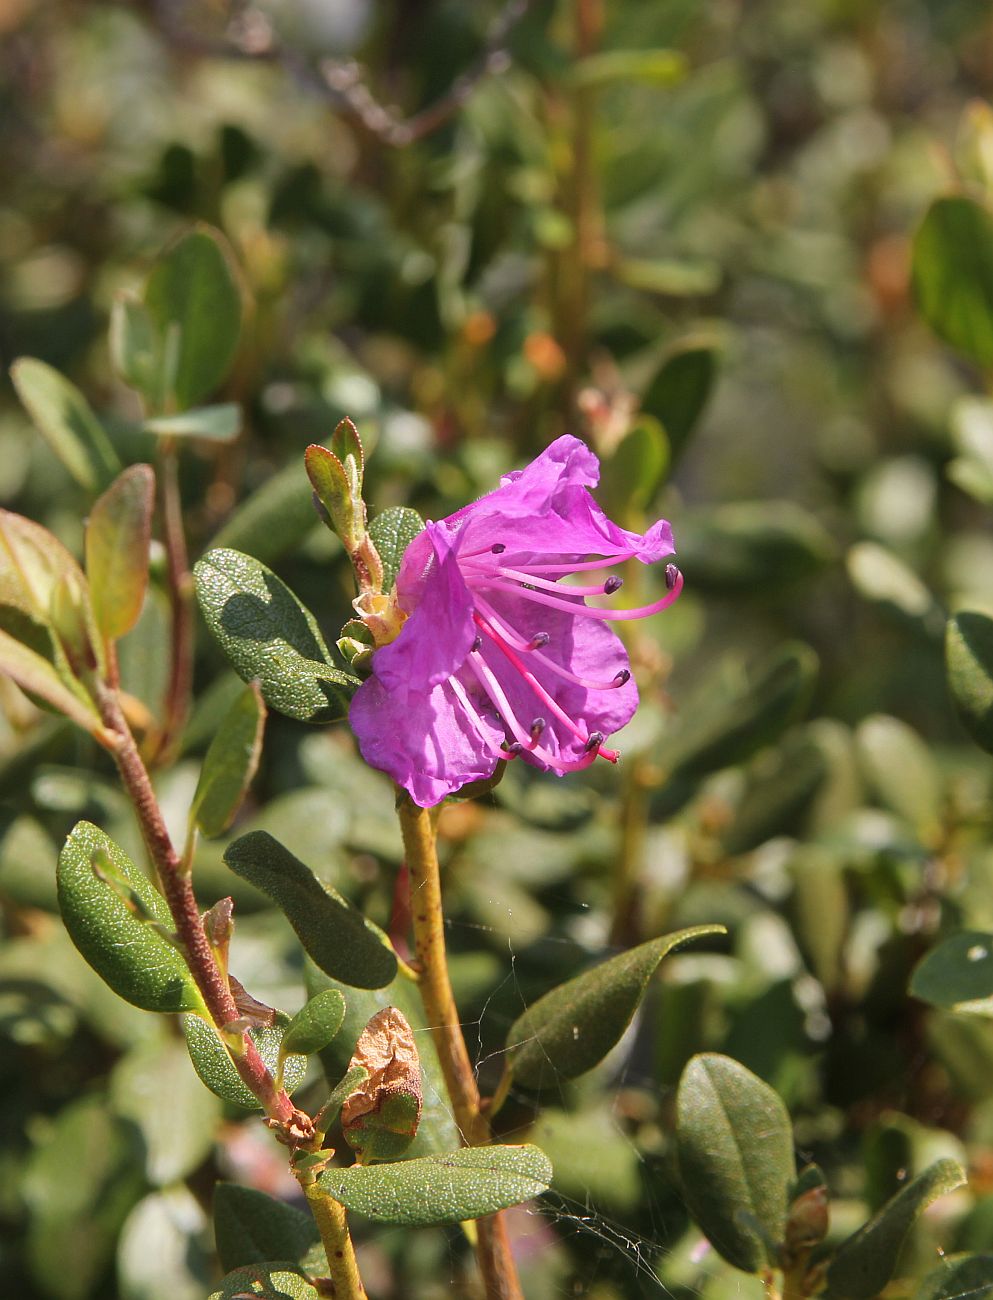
x,y
332,1223
419,829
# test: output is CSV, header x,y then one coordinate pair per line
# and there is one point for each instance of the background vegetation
x,y
683,231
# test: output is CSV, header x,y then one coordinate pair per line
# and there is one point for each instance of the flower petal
x,y
423,740
437,636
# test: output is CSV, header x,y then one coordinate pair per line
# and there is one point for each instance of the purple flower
x,y
498,658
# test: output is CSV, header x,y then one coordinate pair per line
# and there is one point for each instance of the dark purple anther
x,y
514,748
623,676
671,576
612,584
595,741
498,548
539,640
537,727
477,644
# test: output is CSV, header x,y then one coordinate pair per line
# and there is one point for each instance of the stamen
x,y
537,641
612,584
530,678
498,548
473,574
609,615
537,727
477,644
672,576
489,683
595,741
504,628
480,727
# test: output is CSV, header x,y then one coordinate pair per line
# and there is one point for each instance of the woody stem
x,y
417,825
177,888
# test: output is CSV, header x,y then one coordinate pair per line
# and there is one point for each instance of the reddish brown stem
x,y
177,701
177,889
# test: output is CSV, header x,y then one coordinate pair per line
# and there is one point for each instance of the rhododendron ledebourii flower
x,y
498,657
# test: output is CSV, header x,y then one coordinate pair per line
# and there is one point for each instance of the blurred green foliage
x,y
686,232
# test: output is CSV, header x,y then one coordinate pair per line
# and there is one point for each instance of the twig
x,y
177,889
344,81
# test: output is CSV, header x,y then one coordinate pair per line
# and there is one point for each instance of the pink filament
x,y
609,615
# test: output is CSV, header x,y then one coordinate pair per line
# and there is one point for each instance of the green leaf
x,y
251,1227
864,1263
901,770
221,423
346,445
391,533
953,275
134,347
735,1152
570,1029
194,301
972,436
659,67
957,974
81,1180
268,635
118,535
753,547
163,1250
466,1184
270,1281
335,935
127,952
969,661
880,576
732,722
63,417
677,278
633,473
335,492
35,674
959,1277
315,1024
678,393
213,1063
154,1087
230,764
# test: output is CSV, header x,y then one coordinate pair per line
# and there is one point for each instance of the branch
x,y
343,82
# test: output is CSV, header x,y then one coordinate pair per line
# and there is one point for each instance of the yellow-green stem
x,y
343,1270
496,1262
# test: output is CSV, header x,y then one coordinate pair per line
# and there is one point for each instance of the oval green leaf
x,y
336,936
278,1280
251,1227
969,661
865,1262
466,1184
220,423
900,767
733,723
35,674
957,975
959,1277
953,275
230,763
753,547
194,301
126,951
213,1063
269,636
680,389
735,1150
570,1029
315,1024
118,535
391,533
63,417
